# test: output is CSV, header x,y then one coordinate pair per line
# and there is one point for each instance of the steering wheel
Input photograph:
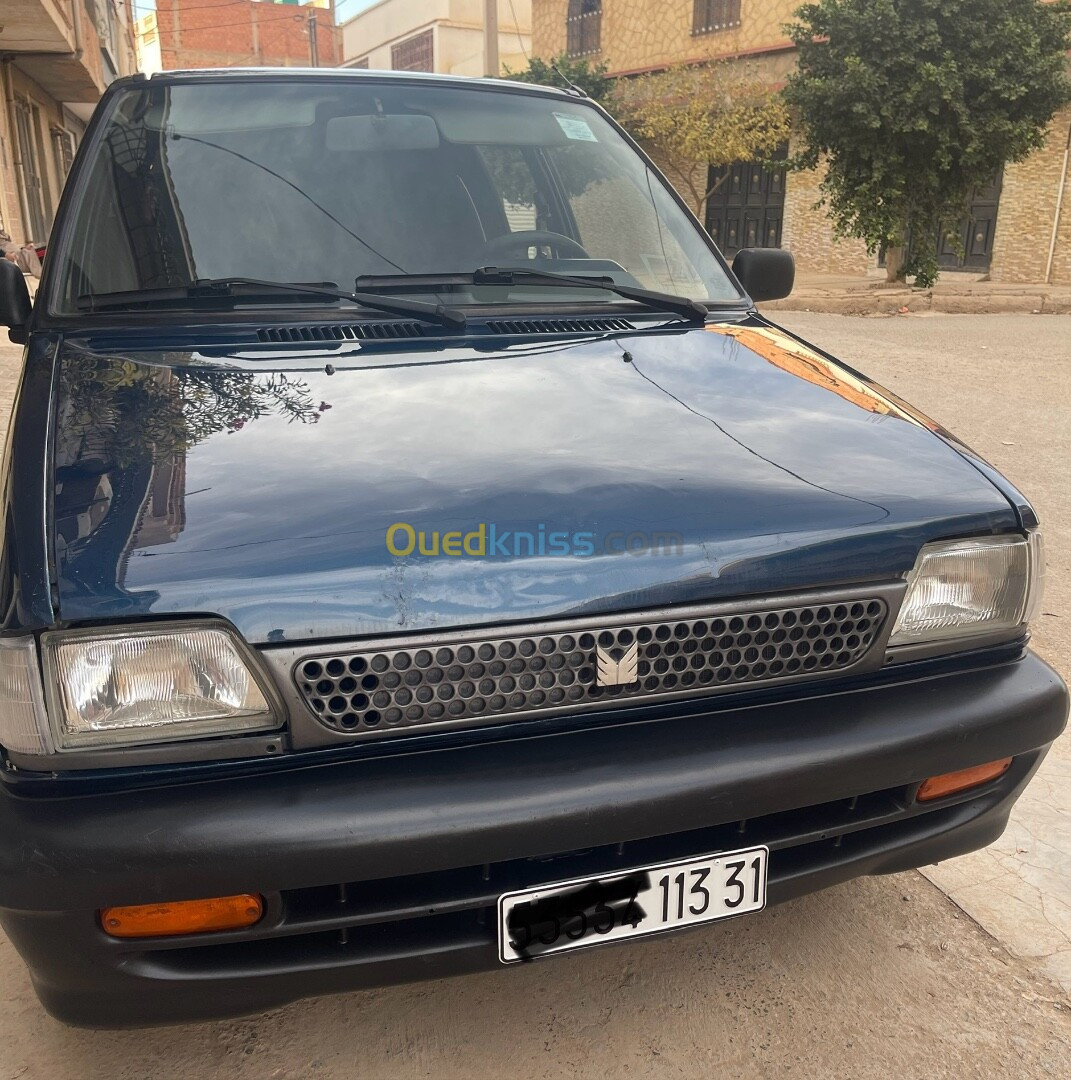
x,y
518,243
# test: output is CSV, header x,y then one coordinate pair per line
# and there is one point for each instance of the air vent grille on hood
x,y
341,331
557,326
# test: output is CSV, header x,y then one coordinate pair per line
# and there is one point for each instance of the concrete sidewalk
x,y
954,293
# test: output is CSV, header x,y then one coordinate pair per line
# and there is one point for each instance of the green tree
x,y
913,104
695,116
589,77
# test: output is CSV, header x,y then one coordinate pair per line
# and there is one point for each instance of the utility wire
x,y
220,26
517,26
180,8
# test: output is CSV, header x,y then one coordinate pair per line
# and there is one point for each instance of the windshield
x,y
328,181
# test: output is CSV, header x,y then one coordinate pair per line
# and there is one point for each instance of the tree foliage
x,y
913,104
709,114
123,413
589,77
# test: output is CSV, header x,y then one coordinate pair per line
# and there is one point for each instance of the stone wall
x,y
548,27
808,232
1027,210
640,34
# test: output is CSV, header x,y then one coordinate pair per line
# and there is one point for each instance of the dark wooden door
x,y
975,233
748,206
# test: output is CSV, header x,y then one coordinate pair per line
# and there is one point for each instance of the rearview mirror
x,y
766,273
15,302
382,131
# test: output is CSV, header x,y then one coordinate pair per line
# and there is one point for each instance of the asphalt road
x,y
875,978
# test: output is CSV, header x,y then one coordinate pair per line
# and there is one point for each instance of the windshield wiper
x,y
657,301
248,288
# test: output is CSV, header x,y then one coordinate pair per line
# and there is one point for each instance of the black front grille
x,y
478,887
600,324
389,687
396,328
453,910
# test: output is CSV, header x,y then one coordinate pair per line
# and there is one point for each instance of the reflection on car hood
x,y
261,486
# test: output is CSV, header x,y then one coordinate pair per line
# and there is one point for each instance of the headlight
x,y
151,685
960,588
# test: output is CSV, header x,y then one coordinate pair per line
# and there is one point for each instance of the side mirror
x,y
15,302
766,273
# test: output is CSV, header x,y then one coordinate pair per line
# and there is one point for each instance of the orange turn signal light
x,y
182,916
937,787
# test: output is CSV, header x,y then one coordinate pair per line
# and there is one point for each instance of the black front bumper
x,y
388,869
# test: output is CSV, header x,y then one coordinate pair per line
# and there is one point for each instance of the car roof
x,y
335,73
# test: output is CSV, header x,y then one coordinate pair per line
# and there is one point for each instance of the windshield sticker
x,y
575,128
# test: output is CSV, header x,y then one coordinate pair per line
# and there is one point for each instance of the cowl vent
x,y
364,331
557,326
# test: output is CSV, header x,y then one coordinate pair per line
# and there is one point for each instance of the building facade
x,y
244,33
1019,228
147,44
56,58
445,36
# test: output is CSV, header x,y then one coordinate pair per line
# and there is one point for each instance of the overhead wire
x,y
288,16
517,28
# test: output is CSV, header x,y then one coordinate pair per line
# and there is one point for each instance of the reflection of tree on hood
x,y
124,432
125,411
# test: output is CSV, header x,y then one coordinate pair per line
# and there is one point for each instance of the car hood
x,y
260,484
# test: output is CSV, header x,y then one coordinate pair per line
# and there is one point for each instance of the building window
x,y
710,16
583,24
102,15
63,144
35,195
414,54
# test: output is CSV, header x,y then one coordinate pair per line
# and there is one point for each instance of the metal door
x,y
747,207
975,233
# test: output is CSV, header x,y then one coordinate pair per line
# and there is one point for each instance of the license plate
x,y
648,900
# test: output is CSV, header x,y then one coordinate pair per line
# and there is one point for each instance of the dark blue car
x,y
419,556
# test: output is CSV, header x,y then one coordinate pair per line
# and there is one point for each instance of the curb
x,y
904,302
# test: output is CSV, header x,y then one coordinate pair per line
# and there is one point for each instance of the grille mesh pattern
x,y
382,687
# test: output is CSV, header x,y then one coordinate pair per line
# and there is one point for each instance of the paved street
x,y
875,978
1003,385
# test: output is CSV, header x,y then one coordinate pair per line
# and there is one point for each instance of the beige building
x,y
1019,228
147,44
445,36
56,58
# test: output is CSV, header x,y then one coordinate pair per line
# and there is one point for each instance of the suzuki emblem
x,y
620,672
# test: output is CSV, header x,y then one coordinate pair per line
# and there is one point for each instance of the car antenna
x,y
570,85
